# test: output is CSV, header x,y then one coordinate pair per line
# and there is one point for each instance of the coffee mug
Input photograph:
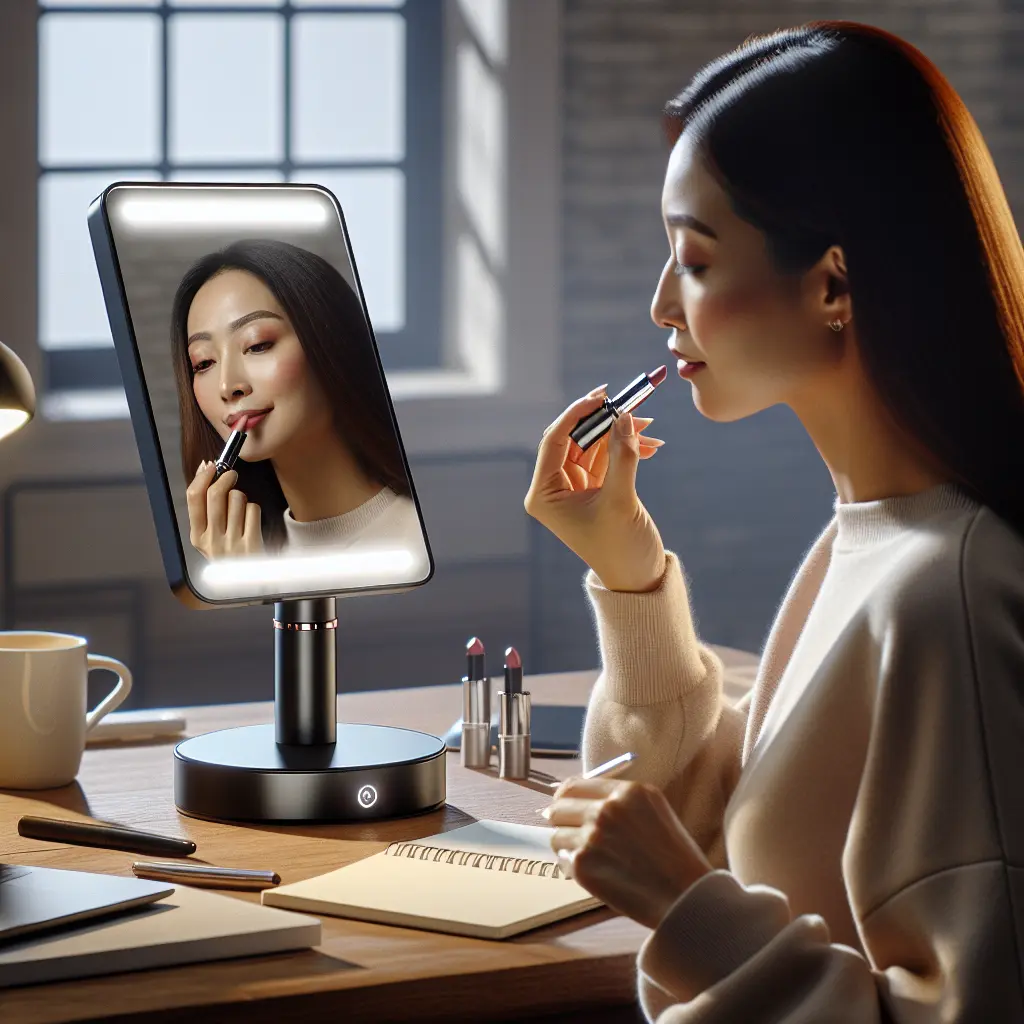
x,y
43,717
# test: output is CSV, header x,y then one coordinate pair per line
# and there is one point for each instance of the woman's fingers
x,y
234,529
195,498
252,536
217,506
556,443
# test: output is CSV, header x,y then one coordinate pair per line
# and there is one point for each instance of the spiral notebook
x,y
487,880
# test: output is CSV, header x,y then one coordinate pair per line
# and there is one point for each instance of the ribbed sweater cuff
x,y
649,648
714,928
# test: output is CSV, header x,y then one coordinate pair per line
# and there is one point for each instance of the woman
x,y
846,844
266,330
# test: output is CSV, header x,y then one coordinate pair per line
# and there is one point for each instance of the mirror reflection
x,y
279,445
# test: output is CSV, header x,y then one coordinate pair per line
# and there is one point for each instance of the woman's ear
x,y
835,293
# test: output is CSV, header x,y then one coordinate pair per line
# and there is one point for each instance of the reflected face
x,y
726,305
246,357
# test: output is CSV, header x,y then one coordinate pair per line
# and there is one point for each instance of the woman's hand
x,y
222,522
624,844
588,499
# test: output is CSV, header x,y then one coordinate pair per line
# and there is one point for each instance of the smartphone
x,y
555,730
136,727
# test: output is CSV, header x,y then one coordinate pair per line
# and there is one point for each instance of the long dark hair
x,y
840,133
329,323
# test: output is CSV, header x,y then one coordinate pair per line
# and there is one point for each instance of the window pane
x,y
71,310
96,3
226,88
348,3
348,87
373,203
225,3
99,87
232,177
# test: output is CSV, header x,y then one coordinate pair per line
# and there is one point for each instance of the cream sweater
x,y
864,805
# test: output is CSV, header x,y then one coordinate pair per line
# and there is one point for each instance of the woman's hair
x,y
328,320
840,133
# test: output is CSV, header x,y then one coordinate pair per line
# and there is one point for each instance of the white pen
x,y
610,769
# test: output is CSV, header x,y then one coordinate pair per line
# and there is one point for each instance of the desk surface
x,y
364,972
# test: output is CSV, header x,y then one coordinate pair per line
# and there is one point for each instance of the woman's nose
x,y
666,309
233,387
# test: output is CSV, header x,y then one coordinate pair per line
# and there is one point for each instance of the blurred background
x,y
500,163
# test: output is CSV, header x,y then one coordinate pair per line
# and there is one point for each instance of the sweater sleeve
x,y
928,863
660,695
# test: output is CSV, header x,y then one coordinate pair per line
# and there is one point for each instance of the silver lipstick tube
x,y
592,428
514,735
229,456
475,749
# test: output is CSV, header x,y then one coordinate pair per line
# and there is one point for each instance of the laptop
x,y
37,899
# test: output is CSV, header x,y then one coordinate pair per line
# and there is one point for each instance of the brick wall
x,y
740,502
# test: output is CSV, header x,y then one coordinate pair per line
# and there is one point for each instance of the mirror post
x,y
305,671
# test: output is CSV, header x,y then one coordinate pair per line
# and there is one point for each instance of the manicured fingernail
x,y
598,391
544,812
656,441
624,425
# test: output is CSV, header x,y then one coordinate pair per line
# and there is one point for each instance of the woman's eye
x,y
201,365
260,346
688,268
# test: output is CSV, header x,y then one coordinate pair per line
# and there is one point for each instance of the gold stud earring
x,y
836,325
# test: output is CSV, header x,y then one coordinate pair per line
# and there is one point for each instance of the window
x,y
344,94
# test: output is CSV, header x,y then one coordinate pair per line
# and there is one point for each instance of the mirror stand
x,y
307,766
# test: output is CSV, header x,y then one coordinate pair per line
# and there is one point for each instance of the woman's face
x,y
763,338
246,357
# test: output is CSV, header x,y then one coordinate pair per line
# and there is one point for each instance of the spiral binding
x,y
469,858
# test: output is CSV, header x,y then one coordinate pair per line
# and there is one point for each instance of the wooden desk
x,y
580,969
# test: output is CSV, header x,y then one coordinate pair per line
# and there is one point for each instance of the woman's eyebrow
x,y
684,220
256,314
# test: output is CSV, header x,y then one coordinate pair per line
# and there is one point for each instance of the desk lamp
x,y
243,300
17,395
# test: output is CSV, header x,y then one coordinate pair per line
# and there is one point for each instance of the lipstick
x,y
475,748
592,428
229,456
513,721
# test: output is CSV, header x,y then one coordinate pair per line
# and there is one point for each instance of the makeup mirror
x,y
275,471
240,306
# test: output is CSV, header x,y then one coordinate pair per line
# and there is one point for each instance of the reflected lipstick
x,y
592,428
229,456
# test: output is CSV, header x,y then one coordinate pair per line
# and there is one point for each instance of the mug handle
x,y
116,696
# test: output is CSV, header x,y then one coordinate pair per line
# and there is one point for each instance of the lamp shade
x,y
17,393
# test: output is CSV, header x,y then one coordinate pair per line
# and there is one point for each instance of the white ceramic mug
x,y
43,717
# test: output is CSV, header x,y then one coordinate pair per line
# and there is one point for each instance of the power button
x,y
367,796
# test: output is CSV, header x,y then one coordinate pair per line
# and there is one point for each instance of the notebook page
x,y
436,896
496,838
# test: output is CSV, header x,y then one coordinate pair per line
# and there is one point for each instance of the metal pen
x,y
207,876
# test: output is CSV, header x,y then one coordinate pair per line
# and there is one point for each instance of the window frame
x,y
417,345
507,418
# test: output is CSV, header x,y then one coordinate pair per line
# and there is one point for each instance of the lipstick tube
x,y
227,458
513,722
592,428
475,748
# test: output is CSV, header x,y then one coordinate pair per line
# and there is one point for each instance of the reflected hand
x,y
222,522
588,498
625,845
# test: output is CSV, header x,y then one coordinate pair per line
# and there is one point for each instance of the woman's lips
x,y
254,418
687,370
